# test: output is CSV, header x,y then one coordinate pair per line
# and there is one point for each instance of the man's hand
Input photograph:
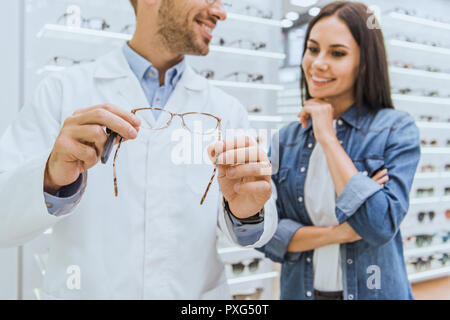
x,y
81,141
244,174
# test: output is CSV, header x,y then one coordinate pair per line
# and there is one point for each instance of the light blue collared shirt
x,y
148,76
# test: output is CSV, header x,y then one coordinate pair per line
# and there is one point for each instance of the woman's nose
x,y
320,64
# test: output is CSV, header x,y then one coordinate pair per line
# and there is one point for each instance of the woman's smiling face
x,y
331,61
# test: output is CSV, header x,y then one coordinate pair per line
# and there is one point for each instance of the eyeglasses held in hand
x,y
195,122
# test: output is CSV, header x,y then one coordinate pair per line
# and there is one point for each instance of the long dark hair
x,y
372,86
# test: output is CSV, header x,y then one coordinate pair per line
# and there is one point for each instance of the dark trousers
x,y
321,295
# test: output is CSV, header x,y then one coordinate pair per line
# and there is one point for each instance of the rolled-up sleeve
x,y
356,192
276,248
378,218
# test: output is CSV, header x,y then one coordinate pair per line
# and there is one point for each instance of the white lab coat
x,y
154,241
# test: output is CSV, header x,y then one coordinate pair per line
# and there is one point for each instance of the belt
x,y
328,295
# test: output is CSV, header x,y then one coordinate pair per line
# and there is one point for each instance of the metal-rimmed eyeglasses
x,y
195,122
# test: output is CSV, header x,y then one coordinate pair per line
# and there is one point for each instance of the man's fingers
x,y
124,114
230,144
102,117
85,153
241,156
249,170
254,187
93,134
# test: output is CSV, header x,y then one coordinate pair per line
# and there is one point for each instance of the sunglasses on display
x,y
68,62
427,168
428,118
446,237
254,109
421,263
249,296
421,240
90,23
447,191
447,167
256,12
421,216
128,29
252,266
428,143
422,192
241,43
244,77
447,214
413,13
195,122
403,37
405,65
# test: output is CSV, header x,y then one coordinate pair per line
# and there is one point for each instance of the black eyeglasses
x,y
68,62
239,267
421,216
256,12
239,76
422,192
241,43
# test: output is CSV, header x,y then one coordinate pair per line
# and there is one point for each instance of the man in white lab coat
x,y
155,240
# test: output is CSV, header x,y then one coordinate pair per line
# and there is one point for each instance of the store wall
x,y
10,101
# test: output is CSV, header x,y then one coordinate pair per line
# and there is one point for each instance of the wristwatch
x,y
257,218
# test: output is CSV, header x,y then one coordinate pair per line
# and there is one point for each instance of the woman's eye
x,y
338,54
313,50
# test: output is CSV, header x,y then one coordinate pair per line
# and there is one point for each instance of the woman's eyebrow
x,y
336,45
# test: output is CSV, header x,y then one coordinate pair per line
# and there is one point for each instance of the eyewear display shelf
x,y
256,280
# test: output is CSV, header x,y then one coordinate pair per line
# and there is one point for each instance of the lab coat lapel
x,y
118,84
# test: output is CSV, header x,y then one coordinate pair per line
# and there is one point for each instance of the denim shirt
x,y
374,267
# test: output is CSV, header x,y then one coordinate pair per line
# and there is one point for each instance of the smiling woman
x,y
339,212
357,54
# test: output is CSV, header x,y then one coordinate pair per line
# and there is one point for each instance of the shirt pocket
x,y
369,166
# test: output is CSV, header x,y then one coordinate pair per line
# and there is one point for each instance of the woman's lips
x,y
320,82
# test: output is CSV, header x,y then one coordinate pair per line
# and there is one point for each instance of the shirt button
x,y
365,173
302,169
151,73
310,145
308,259
300,199
350,297
49,205
309,293
340,122
349,261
